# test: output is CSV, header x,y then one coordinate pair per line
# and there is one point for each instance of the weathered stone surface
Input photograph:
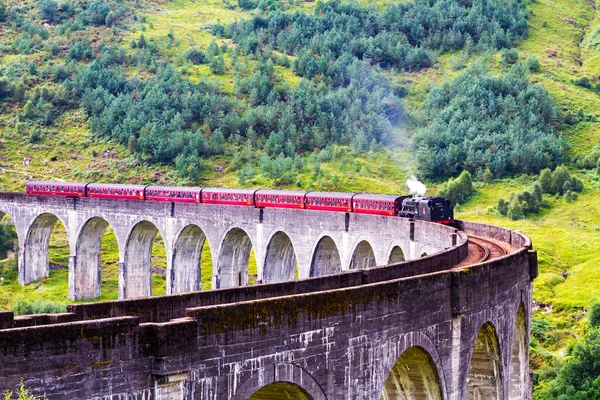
x,y
417,327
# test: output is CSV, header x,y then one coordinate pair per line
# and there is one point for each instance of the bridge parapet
x,y
348,335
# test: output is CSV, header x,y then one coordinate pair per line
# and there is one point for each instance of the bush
x,y
217,65
195,55
584,82
458,190
97,12
23,394
510,56
48,9
593,319
4,89
532,64
26,307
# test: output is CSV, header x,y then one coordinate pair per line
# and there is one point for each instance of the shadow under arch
x,y
234,256
187,265
414,376
519,360
396,255
281,379
280,260
36,258
484,377
363,256
136,270
326,258
87,263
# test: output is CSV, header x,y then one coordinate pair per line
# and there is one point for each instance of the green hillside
x,y
241,93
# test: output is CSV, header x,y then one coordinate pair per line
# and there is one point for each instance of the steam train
x,y
435,209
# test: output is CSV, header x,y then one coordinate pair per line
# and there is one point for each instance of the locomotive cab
x,y
434,209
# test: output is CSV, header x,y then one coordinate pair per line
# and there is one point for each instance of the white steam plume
x,y
415,186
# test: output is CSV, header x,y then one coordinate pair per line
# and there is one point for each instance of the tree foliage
x,y
401,36
458,190
480,121
557,182
579,376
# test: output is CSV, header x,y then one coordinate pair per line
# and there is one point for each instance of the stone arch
x,y
280,390
35,256
186,260
363,256
326,258
85,276
234,255
396,255
484,377
519,360
285,378
414,376
280,260
136,274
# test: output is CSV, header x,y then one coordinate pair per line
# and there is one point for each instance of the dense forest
x,y
344,97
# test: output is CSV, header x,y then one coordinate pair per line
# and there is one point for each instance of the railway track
x,y
481,249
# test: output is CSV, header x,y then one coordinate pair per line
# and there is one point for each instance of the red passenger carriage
x,y
175,194
279,198
329,201
115,191
378,204
66,189
237,197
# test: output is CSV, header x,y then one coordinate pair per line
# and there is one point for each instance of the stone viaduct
x,y
384,308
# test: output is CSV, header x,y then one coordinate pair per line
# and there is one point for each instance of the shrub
x,y
195,55
4,89
97,12
48,9
217,65
26,307
532,64
584,82
510,56
458,190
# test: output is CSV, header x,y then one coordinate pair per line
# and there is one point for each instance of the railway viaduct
x,y
384,308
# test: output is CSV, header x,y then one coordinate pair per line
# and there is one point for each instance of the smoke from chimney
x,y
415,186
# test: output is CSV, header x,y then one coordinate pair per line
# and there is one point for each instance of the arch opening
x,y
187,260
326,258
519,362
9,241
87,269
280,390
280,261
484,379
144,267
234,259
46,246
363,256
396,255
414,376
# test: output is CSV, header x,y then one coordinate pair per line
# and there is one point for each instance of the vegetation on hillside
x,y
577,375
558,182
321,96
479,121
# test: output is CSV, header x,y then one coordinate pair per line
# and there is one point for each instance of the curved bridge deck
x,y
458,319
